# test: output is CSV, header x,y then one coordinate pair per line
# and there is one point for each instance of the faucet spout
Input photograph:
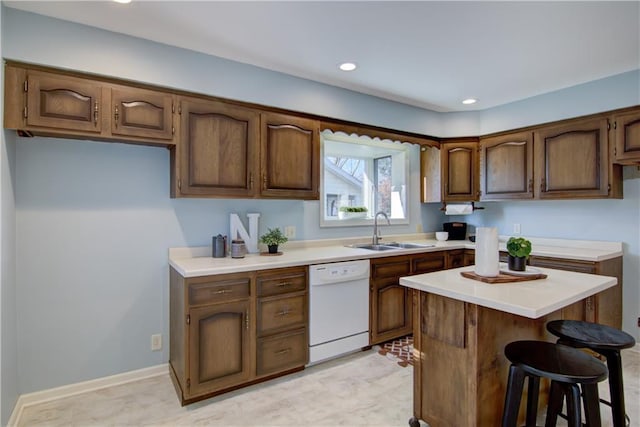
x,y
376,236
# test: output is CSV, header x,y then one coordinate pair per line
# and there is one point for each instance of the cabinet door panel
x,y
142,113
219,349
428,262
62,102
627,134
392,315
290,152
219,143
573,160
507,167
459,163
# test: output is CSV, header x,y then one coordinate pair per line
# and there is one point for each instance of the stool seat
x,y
567,368
556,362
591,335
606,341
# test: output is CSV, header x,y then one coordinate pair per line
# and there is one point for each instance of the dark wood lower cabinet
x,y
224,337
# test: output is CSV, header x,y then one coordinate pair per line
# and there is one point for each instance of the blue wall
x,y
94,220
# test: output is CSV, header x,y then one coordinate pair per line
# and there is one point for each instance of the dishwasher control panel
x,y
338,272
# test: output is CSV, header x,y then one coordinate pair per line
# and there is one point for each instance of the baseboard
x,y
26,400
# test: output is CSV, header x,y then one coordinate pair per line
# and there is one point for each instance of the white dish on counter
x,y
530,271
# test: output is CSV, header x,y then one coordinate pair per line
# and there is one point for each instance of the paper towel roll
x,y
487,255
458,209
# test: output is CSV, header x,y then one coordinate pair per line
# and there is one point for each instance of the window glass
x,y
360,177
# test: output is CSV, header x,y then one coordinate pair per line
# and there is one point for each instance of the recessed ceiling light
x,y
469,101
348,66
122,1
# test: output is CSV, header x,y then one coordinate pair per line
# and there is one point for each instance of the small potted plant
x,y
272,238
348,212
519,249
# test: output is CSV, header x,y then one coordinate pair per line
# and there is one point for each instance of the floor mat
x,y
401,348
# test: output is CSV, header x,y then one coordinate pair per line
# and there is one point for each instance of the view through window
x,y
360,177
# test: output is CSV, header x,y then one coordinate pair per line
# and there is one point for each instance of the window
x,y
360,177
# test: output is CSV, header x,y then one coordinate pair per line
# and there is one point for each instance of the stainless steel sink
x,y
408,245
372,247
388,246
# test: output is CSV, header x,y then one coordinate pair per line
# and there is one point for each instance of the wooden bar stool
x,y
567,368
606,341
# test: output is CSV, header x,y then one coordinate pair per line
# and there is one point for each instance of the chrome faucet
x,y
376,237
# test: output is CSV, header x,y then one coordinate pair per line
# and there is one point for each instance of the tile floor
x,y
364,389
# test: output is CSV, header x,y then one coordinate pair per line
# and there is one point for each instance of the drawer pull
x,y
284,312
283,284
221,291
283,351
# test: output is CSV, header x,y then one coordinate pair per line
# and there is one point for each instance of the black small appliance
x,y
456,230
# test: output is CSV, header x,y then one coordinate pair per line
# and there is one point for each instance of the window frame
x,y
395,147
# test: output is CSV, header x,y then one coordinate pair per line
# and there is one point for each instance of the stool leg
x,y
616,388
591,405
573,406
532,400
556,397
512,399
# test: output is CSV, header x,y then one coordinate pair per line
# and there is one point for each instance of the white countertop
x,y
533,298
193,262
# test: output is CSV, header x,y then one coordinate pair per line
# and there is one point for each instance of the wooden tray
x,y
270,254
502,277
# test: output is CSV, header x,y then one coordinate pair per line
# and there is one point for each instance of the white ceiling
x,y
429,54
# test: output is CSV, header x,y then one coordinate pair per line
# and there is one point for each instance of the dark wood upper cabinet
x,y
459,164
51,104
63,102
572,160
290,157
626,128
142,113
218,150
506,167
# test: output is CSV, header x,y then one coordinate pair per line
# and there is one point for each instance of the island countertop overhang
x,y
532,299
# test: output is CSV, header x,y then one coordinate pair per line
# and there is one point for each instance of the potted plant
x,y
272,238
348,212
519,249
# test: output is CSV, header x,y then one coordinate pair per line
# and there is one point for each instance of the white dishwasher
x,y
338,309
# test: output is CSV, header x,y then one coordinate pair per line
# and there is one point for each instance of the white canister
x,y
487,254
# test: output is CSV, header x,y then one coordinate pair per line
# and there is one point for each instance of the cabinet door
x,y
572,160
63,103
218,148
390,303
506,167
290,157
142,113
459,161
429,262
219,347
627,136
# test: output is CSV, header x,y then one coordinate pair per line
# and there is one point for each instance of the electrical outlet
x,y
290,232
156,342
516,228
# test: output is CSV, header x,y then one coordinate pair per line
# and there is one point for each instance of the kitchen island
x,y
461,327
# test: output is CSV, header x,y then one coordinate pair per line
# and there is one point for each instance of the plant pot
x,y
517,263
351,215
273,249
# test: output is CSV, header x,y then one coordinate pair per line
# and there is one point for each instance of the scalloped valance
x,y
381,133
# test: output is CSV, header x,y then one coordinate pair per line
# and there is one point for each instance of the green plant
x,y
273,236
519,247
353,209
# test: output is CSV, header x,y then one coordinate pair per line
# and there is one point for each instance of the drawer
x,y
219,291
282,352
281,313
390,267
428,262
282,282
